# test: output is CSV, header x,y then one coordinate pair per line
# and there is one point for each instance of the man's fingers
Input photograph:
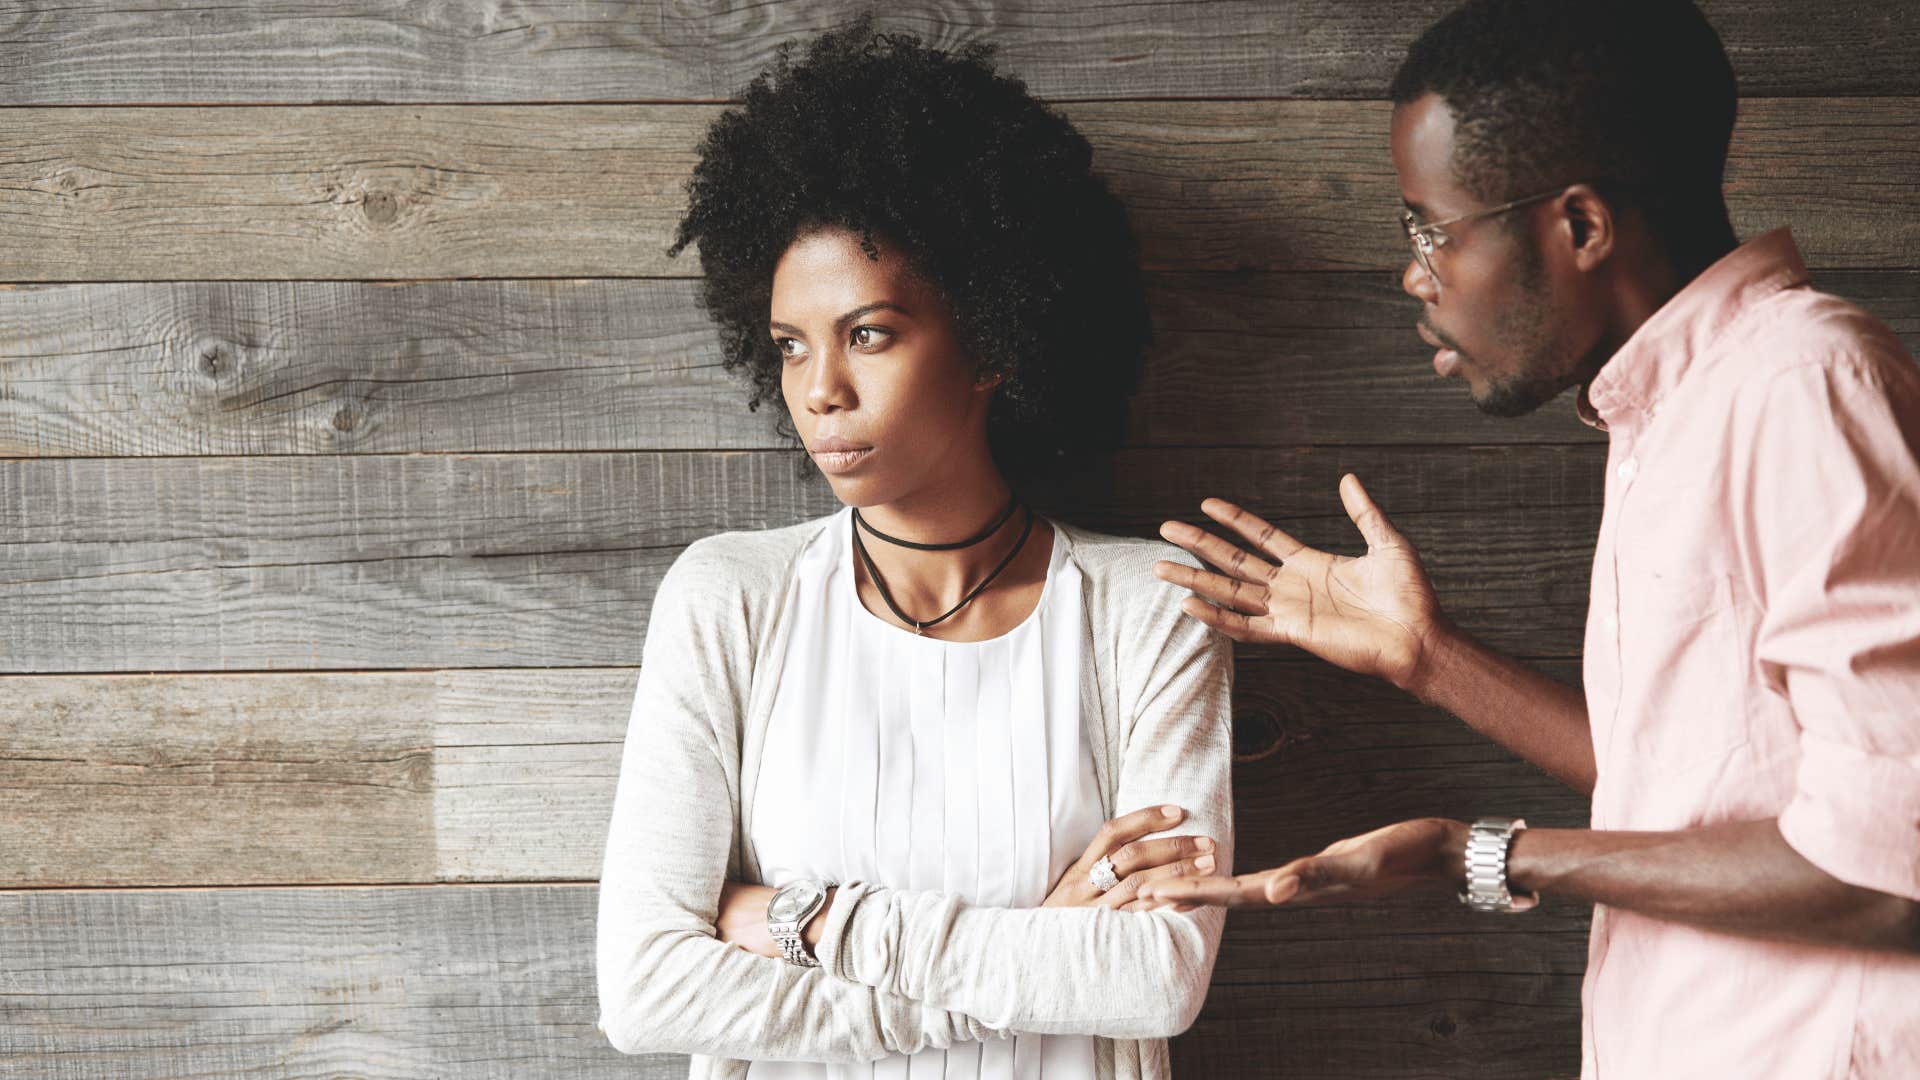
x,y
1231,623
1264,889
1231,558
1246,597
1128,891
1257,531
1367,517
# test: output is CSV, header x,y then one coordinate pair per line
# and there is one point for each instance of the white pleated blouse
x,y
914,763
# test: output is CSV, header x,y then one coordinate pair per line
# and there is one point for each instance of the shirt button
x,y
1626,470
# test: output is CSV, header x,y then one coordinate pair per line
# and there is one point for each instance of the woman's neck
x,y
956,508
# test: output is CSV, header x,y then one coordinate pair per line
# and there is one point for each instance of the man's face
x,y
1490,309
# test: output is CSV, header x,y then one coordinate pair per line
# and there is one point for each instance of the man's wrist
x,y
1437,654
1453,854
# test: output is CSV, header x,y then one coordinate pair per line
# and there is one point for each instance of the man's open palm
x,y
1372,614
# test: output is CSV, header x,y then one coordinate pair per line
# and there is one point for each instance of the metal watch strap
x,y
793,949
1487,844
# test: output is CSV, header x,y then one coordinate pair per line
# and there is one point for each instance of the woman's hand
x,y
1135,861
1374,614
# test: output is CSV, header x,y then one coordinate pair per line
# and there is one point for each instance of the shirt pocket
x,y
1683,669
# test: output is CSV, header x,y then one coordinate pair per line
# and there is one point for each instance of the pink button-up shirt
x,y
1753,652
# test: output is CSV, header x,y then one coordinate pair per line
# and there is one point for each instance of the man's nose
x,y
1418,283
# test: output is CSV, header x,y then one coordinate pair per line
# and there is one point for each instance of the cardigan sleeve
x,y
666,982
1094,971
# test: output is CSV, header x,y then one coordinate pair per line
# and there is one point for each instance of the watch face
x,y
791,901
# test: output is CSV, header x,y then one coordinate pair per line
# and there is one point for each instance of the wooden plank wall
x,y
350,411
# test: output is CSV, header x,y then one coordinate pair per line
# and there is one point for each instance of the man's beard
x,y
1525,330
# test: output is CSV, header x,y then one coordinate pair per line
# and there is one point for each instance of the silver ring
x,y
1102,876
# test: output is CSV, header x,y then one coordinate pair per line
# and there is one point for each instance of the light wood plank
x,y
508,775
378,983
212,564
594,190
190,368
497,981
573,50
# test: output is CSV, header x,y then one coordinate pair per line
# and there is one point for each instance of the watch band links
x,y
1486,857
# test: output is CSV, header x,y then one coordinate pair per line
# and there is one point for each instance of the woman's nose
x,y
827,386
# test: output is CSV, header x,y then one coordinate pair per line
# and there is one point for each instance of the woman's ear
x,y
987,380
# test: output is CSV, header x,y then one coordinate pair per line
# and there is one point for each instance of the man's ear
x,y
1587,225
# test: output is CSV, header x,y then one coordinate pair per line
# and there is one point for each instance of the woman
x,y
861,826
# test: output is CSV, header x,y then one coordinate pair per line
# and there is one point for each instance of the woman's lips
x,y
836,456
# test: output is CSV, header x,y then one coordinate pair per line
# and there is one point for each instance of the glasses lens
x,y
1420,243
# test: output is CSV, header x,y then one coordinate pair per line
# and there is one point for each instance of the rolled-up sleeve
x,y
1837,537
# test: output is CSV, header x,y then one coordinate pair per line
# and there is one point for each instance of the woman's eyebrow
x,y
868,309
848,318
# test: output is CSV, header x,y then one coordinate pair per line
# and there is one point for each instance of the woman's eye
x,y
788,347
866,337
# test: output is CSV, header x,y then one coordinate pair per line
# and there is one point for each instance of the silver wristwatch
x,y
1486,889
792,907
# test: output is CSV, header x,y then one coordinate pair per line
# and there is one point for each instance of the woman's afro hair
x,y
988,194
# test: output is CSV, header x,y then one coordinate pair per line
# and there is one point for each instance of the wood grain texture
x,y
508,775
227,368
90,194
574,50
496,981
376,983
290,563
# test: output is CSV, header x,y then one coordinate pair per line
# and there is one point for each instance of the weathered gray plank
x,y
508,775
400,983
209,564
571,50
593,191
496,981
189,368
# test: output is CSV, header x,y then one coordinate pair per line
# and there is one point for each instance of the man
x,y
1750,726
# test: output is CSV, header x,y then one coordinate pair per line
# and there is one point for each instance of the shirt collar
x,y
1656,357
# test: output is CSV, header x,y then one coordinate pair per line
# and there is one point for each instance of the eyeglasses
x,y
1426,238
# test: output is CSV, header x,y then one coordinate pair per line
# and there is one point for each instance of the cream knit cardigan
x,y
900,970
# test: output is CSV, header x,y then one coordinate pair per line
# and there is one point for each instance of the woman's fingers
x,y
1128,891
1132,858
1231,558
1130,827
1246,597
1259,532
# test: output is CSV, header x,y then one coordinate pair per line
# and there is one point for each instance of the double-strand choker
x,y
880,584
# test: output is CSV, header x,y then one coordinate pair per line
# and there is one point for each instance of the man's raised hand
x,y
1374,614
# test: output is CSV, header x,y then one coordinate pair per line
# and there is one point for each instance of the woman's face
x,y
880,391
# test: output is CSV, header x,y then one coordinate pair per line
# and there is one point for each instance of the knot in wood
x,y
381,207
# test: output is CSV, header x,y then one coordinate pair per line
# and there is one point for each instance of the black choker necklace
x,y
880,584
1012,505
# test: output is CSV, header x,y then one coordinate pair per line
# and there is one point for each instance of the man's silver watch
x,y
792,907
1487,843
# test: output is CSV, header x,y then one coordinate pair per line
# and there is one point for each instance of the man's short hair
x,y
1636,94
